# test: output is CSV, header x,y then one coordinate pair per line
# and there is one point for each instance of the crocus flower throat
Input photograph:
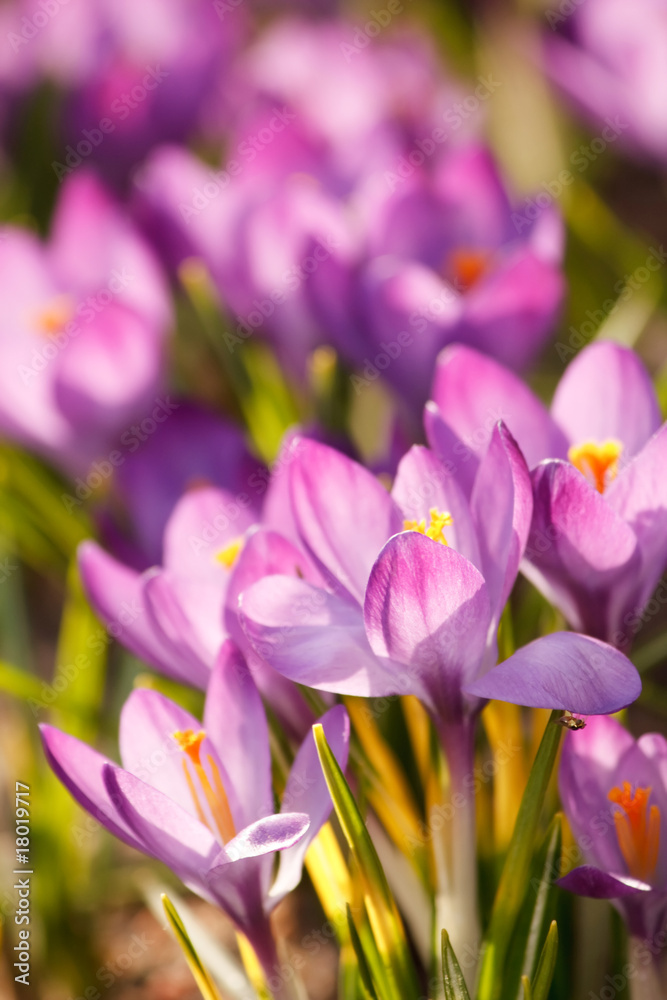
x,y
439,520
637,829
215,795
230,553
55,315
467,267
597,462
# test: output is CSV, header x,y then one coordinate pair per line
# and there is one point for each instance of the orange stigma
x,y
52,319
230,553
216,797
637,829
597,462
439,520
466,267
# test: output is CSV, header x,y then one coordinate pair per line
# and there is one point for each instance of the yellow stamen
x,y
467,267
597,462
439,520
218,803
52,319
230,553
637,829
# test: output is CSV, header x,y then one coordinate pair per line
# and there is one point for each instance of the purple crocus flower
x,y
614,793
402,610
608,59
198,797
82,330
598,541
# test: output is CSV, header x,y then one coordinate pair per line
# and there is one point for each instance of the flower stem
x,y
647,983
453,824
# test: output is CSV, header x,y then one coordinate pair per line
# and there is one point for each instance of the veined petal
x,y
563,670
343,514
580,552
201,525
502,507
427,611
235,721
606,393
473,392
312,637
307,791
81,770
424,482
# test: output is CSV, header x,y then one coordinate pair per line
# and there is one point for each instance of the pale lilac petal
x,y
473,392
307,791
563,670
579,569
606,393
187,615
81,770
235,721
344,515
424,482
502,507
312,637
427,611
202,524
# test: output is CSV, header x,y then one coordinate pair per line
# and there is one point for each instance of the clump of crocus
x,y
598,540
198,796
614,792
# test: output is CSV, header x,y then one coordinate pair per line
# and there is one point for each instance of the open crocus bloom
x,y
598,540
403,611
198,796
82,328
614,792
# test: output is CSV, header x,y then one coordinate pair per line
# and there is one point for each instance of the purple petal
x,y
607,393
580,552
187,616
163,829
473,392
427,611
563,670
423,482
589,881
201,525
81,770
502,506
307,790
235,721
344,515
312,637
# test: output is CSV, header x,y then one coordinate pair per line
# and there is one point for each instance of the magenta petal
x,y
502,506
307,791
606,393
312,637
344,515
563,670
81,770
473,392
427,611
235,721
117,596
589,881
